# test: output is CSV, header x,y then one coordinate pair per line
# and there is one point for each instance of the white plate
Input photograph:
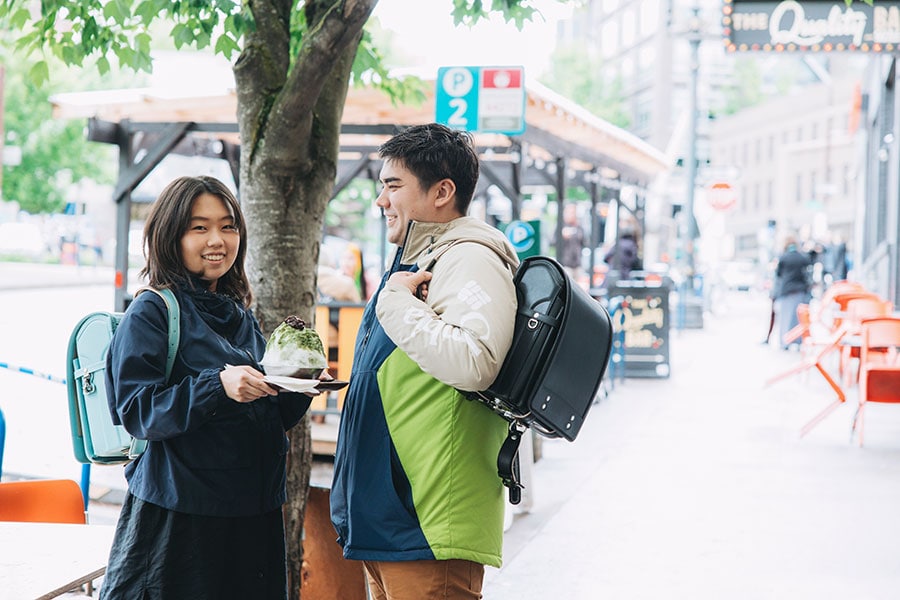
x,y
292,384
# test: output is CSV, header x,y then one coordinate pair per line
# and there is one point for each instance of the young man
x,y
416,494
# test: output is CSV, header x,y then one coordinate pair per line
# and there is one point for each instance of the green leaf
x,y
126,56
142,42
114,11
146,11
202,40
72,55
103,65
39,73
143,62
182,35
18,19
226,46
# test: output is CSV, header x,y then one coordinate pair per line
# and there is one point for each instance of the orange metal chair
x,y
42,501
824,312
879,371
857,310
842,300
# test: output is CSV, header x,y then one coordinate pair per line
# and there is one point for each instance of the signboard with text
x,y
642,320
811,26
485,99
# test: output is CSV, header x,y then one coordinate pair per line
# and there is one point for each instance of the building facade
x,y
793,165
878,226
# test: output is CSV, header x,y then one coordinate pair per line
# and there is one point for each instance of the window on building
x,y
627,68
798,190
628,27
770,194
609,6
649,15
609,40
646,56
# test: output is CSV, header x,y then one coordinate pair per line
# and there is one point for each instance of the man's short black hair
x,y
434,152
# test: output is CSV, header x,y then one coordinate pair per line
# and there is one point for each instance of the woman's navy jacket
x,y
208,454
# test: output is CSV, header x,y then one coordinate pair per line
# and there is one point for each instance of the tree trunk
x,y
289,119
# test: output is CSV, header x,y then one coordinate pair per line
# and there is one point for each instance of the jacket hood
x,y
423,240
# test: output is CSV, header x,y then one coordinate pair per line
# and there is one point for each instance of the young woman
x,y
202,516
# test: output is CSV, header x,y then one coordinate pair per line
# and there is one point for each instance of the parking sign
x,y
487,99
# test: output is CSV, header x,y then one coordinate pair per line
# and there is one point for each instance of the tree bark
x,y
289,119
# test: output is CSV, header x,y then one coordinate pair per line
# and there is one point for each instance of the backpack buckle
x,y
87,383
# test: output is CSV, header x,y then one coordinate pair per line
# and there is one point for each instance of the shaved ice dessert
x,y
294,350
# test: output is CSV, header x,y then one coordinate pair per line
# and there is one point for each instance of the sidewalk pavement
x,y
698,487
20,276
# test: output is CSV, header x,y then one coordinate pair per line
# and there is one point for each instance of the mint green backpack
x,y
95,439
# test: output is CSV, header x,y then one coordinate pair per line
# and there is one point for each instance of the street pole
x,y
690,230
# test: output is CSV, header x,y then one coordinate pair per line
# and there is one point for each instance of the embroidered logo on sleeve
x,y
473,295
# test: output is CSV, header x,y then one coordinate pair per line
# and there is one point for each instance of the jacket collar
x,y
421,239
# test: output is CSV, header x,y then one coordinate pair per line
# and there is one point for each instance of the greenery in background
x,y
747,88
575,74
349,214
55,152
757,79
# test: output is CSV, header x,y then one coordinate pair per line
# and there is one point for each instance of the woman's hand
x,y
245,384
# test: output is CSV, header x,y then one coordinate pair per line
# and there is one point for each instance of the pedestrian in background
x,y
835,261
623,256
572,242
416,495
793,285
202,516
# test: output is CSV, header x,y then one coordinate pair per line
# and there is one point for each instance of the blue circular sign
x,y
521,235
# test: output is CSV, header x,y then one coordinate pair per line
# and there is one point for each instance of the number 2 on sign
x,y
458,119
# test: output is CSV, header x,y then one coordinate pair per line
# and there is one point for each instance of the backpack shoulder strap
x,y
443,250
137,446
174,312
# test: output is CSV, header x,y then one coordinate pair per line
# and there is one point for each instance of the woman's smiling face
x,y
210,245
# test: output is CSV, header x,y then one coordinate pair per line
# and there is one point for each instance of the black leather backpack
x,y
552,373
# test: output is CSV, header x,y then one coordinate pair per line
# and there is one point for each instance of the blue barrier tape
x,y
28,371
85,469
2,440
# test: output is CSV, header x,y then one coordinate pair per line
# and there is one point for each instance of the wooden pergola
x,y
563,145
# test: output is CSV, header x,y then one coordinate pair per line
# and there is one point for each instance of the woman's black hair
x,y
167,223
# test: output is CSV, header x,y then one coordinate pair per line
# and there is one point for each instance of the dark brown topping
x,y
295,322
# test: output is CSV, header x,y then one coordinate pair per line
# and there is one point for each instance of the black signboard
x,y
640,314
811,26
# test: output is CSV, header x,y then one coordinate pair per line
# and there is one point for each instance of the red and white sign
x,y
501,102
501,78
721,195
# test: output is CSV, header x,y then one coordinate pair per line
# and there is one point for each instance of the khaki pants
x,y
425,580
